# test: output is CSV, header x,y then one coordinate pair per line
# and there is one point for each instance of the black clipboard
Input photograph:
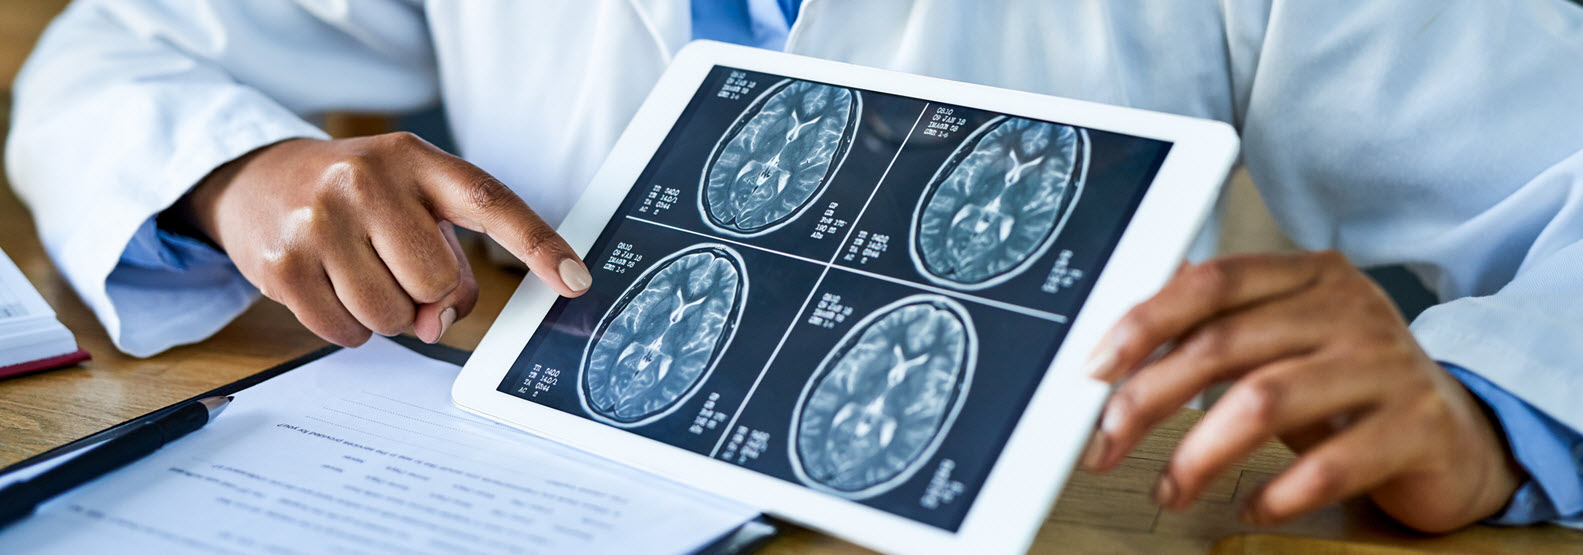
x,y
748,538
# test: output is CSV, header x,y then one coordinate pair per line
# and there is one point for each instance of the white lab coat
x,y
1441,135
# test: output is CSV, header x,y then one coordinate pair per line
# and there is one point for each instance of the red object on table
x,y
43,364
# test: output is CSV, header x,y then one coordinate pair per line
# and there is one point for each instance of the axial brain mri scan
x,y
876,408
663,336
998,202
778,156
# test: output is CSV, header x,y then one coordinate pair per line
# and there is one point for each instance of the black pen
x,y
18,500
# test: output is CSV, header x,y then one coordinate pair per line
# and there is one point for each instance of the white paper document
x,y
363,452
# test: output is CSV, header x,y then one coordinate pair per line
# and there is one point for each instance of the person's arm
x,y
1319,358
126,105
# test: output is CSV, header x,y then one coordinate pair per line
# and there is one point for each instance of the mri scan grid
x,y
849,291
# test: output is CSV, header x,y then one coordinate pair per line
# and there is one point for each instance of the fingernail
x,y
447,317
1099,365
1094,455
1164,491
575,276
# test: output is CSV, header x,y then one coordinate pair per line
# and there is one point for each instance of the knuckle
x,y
1133,409
1335,273
338,329
541,240
466,296
304,228
1385,340
1432,409
1191,472
1355,301
402,139
393,320
352,177
1383,348
1364,293
435,286
1259,398
385,328
288,267
467,288
486,195
1138,324
1121,411
1212,341
351,336
1214,280
388,329
1325,479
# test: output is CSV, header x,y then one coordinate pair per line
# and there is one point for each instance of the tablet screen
x,y
848,290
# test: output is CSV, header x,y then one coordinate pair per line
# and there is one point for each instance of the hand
x,y
1318,357
355,236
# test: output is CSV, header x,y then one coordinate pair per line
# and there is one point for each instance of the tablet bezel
x,y
1051,433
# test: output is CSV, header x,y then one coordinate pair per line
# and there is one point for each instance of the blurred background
x,y
21,21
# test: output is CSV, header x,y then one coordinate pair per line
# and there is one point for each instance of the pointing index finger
x,y
465,195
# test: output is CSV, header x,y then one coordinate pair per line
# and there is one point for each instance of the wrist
x,y
197,213
182,218
1503,474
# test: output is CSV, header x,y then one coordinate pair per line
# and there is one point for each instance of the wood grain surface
x,y
1106,514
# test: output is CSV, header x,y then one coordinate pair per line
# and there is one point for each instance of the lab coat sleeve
x,y
1526,337
126,104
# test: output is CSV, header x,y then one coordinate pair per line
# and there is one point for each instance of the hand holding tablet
x,y
857,299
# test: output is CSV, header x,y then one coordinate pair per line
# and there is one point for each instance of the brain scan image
x,y
878,405
778,156
998,202
658,343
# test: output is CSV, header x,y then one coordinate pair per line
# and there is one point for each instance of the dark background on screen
x,y
1014,349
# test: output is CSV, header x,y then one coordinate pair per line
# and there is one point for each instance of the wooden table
x,y
1109,513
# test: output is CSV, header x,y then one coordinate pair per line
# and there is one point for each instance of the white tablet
x,y
858,299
